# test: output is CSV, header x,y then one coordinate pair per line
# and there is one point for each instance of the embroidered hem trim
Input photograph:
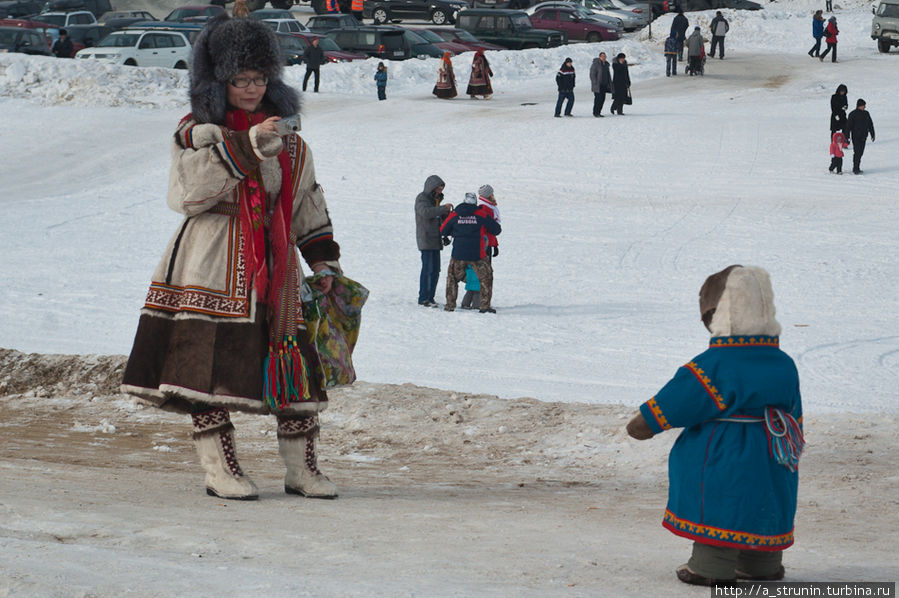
x,y
714,536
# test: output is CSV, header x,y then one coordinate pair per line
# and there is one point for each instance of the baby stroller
x,y
696,65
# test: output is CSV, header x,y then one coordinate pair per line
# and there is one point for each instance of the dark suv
x,y
387,43
508,28
438,12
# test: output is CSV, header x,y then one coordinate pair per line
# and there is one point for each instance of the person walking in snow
x,y
467,225
839,102
429,213
381,81
479,81
314,57
486,205
671,56
565,84
446,80
837,145
817,33
600,82
695,49
621,84
679,27
831,32
719,27
741,413
859,124
221,322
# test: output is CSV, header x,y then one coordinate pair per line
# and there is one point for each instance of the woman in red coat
x,y
830,36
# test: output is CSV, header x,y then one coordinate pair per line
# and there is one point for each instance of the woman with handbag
x,y
222,327
621,84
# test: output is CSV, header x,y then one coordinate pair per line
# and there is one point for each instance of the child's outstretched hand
x,y
638,428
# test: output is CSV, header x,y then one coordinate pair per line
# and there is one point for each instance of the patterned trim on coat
x,y
230,302
657,414
707,384
745,341
714,536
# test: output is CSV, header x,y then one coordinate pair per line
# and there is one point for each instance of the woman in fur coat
x,y
621,84
222,326
479,81
446,80
733,471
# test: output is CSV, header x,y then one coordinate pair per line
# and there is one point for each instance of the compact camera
x,y
288,125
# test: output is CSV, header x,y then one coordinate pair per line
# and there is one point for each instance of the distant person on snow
x,y
741,413
837,145
719,27
859,125
381,81
467,226
63,48
600,82
695,49
565,85
817,33
839,102
446,80
621,84
831,32
429,213
314,57
488,206
679,27
479,81
671,56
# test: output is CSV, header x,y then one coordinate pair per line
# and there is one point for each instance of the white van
x,y
885,26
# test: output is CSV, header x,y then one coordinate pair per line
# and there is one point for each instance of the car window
x,y
58,20
120,40
148,42
566,16
34,39
503,24
521,21
463,35
394,41
487,24
547,15
888,10
328,45
429,36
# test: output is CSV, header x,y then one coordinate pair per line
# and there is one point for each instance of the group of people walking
x,y
478,81
472,228
844,129
695,44
829,32
605,78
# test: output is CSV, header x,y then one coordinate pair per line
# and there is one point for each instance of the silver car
x,y
611,22
638,7
630,19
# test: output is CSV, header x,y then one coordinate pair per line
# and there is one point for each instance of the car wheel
x,y
379,16
594,37
130,62
181,65
438,17
883,46
255,4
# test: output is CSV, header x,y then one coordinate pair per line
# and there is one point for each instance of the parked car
x,y
298,42
286,25
135,47
67,19
187,14
630,20
24,41
438,12
271,13
325,23
49,32
190,29
420,46
637,7
432,38
464,38
885,25
386,43
96,7
583,10
86,36
13,9
576,25
120,19
508,28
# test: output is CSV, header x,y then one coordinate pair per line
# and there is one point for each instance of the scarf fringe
x,y
785,438
286,375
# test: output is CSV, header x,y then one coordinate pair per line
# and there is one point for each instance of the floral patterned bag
x,y
332,323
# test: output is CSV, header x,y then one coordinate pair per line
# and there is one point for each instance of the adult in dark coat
x,y
429,214
621,84
565,82
859,124
62,48
600,82
838,105
314,57
679,28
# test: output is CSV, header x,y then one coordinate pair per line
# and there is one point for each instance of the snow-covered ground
x,y
610,227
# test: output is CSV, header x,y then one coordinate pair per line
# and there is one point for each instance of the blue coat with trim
x,y
725,488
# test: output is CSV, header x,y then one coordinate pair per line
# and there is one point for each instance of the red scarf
x,y
286,371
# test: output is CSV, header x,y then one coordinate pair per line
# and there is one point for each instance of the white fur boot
x,y
214,438
296,444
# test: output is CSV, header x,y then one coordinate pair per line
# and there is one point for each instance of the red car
x,y
462,38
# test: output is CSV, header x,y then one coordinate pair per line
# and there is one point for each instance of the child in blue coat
x,y
381,81
732,473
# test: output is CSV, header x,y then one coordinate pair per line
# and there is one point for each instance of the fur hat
x,y
738,300
226,47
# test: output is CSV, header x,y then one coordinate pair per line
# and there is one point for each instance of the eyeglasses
x,y
242,82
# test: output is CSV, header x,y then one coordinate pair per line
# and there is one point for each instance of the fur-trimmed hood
x,y
226,47
738,300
